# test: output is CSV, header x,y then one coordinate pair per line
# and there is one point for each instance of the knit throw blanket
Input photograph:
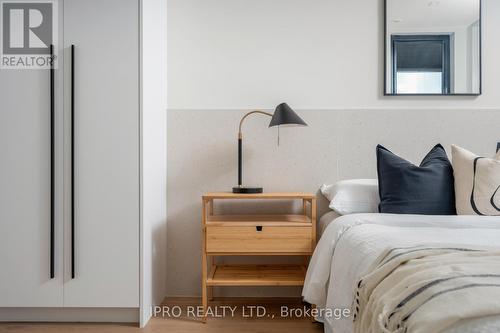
x,y
427,289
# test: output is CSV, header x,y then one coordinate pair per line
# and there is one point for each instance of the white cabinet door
x,y
25,193
106,38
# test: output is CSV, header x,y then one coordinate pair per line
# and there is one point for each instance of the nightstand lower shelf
x,y
257,275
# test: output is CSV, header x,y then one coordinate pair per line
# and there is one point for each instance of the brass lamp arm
x,y
249,113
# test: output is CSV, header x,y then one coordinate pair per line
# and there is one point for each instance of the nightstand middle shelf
x,y
251,220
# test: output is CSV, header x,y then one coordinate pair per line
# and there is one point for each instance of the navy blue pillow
x,y
405,188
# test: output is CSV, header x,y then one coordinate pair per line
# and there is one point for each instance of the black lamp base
x,y
247,189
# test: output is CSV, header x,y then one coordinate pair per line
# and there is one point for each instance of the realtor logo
x,y
28,30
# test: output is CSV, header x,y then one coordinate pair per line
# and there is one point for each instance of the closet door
x,y
105,35
30,273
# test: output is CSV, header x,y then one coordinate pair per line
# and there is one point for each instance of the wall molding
x,y
371,108
116,315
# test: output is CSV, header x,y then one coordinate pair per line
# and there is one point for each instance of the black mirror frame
x,y
385,93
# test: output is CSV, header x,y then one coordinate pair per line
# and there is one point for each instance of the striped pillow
x,y
477,183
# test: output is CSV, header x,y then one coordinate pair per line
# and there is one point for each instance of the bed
x,y
351,243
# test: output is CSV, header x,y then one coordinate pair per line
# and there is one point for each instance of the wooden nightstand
x,y
236,235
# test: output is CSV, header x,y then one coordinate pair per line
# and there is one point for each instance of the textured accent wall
x,y
338,144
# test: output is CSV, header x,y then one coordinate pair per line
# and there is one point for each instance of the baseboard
x,y
99,315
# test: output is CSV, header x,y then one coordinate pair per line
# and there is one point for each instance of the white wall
x,y
323,57
154,159
236,54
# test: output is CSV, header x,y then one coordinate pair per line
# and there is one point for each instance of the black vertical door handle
x,y
72,161
52,162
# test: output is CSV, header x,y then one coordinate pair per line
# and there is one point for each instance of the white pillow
x,y
477,183
353,196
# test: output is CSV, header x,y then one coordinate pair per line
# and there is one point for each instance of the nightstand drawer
x,y
257,239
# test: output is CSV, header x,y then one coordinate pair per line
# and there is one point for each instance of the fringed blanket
x,y
427,289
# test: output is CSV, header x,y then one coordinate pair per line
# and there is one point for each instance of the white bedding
x,y
325,221
350,244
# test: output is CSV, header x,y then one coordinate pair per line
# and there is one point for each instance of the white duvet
x,y
349,245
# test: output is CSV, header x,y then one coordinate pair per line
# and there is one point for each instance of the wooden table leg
x,y
313,220
204,301
210,289
204,288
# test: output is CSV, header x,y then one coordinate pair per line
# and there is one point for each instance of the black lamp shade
x,y
284,115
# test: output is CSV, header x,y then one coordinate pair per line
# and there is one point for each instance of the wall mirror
x,y
432,47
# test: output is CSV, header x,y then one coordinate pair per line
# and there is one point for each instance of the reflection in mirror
x,y
433,47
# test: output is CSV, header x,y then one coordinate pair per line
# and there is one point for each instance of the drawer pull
x,y
259,228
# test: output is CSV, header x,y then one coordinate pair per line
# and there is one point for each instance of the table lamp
x,y
283,115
